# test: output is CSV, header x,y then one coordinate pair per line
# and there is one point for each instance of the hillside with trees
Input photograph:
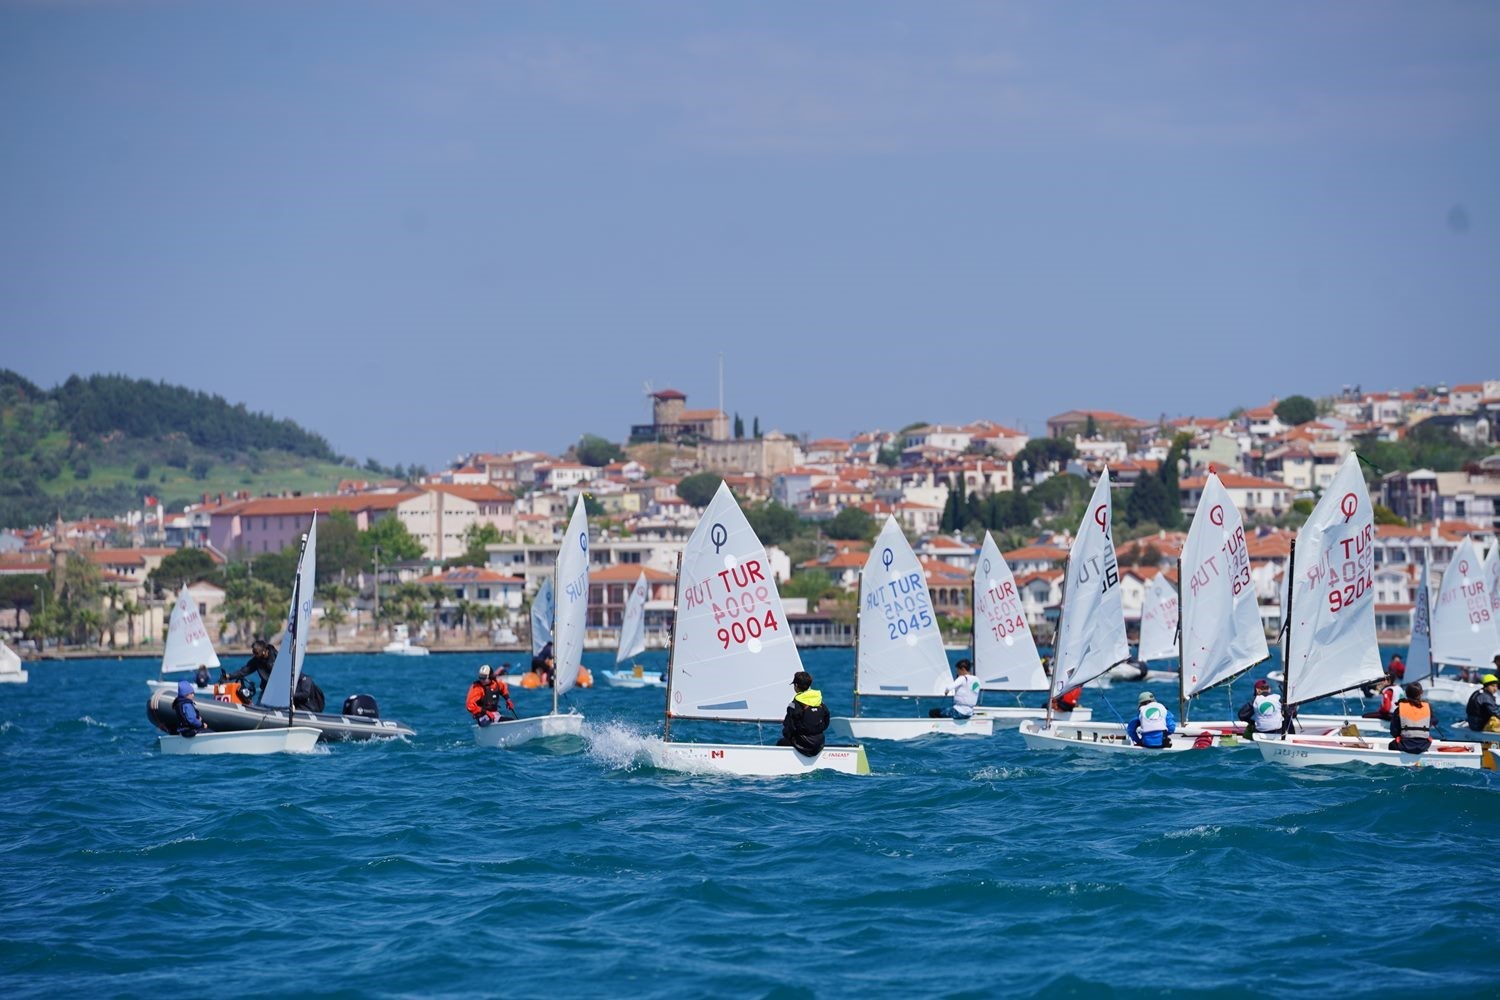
x,y
98,445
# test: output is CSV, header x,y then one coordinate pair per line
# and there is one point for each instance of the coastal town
x,y
455,557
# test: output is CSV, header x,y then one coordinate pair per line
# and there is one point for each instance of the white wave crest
x,y
1202,830
89,720
620,746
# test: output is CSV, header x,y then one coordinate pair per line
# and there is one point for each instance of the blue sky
x,y
430,227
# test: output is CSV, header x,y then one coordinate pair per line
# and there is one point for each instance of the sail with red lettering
x,y
1091,636
1158,621
1463,632
1005,656
1221,631
900,649
571,596
732,651
1331,645
188,644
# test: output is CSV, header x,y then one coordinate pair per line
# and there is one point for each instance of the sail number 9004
x,y
745,620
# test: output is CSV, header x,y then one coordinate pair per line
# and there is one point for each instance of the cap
x,y
1489,679
1145,697
184,687
1262,685
484,671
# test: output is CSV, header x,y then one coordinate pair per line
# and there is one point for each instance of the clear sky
x,y
429,227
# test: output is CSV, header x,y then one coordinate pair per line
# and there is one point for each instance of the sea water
x,y
960,867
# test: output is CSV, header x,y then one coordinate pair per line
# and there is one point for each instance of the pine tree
x,y
739,427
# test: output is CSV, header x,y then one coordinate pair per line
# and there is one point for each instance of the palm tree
x,y
114,594
466,612
130,609
333,617
439,594
339,595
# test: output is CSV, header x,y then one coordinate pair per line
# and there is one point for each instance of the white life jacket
x,y
965,694
1268,715
1153,716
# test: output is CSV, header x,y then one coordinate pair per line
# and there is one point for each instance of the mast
x,y
554,628
859,611
1286,638
672,653
1182,704
292,630
1057,639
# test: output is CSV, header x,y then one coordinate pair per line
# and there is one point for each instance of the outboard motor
x,y
362,705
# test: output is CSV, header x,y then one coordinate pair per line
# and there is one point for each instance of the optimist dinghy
x,y
633,644
898,651
1005,653
1330,631
571,596
732,654
188,647
285,739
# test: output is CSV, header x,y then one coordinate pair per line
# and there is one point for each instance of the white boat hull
x,y
1107,737
629,679
396,650
1309,751
294,739
869,728
1448,689
18,677
753,761
514,732
1011,716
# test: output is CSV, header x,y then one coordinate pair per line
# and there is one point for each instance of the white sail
x,y
572,597
1331,646
1158,621
1419,647
1221,630
900,648
732,653
298,625
1463,632
633,624
1005,656
1091,637
10,662
188,645
543,608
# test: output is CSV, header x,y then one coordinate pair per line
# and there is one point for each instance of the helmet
x,y
1488,679
484,672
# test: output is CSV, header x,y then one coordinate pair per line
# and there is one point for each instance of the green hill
x,y
97,445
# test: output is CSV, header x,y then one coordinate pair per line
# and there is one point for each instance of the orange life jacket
x,y
1415,720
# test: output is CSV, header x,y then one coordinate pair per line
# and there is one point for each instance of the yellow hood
x,y
812,697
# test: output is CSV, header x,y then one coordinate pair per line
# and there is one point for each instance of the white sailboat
x,y
633,643
571,607
898,651
543,611
1091,632
733,656
280,685
1330,639
1463,628
401,644
188,645
1005,653
11,671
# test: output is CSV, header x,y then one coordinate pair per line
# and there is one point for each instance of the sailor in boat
x,y
1153,725
1388,691
1412,725
262,658
201,678
964,690
1068,700
806,718
1397,669
485,696
1263,713
543,666
307,695
189,722
1483,711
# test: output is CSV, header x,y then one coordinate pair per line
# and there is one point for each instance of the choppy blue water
x,y
962,867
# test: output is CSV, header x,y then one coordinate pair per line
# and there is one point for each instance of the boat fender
x,y
1458,749
1203,741
362,705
